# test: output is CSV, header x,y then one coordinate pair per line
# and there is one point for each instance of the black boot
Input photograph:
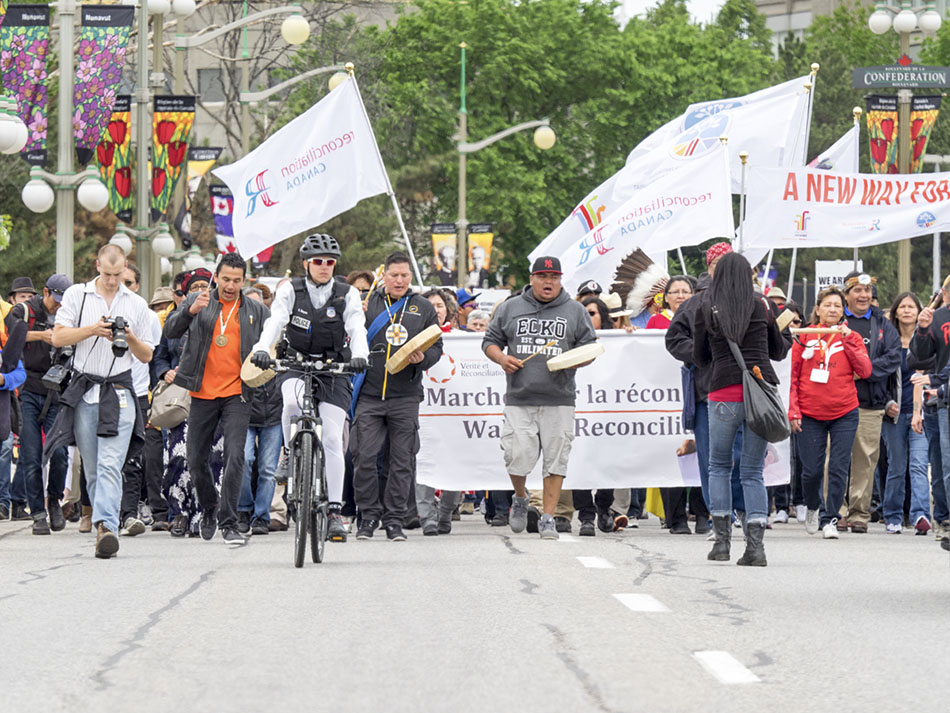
x,y
722,526
754,555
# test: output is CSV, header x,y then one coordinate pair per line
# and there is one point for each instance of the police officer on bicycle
x,y
319,315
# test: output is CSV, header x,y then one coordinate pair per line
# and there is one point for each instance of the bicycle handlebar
x,y
340,368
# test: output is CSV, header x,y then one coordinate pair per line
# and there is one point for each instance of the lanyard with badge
x,y
820,374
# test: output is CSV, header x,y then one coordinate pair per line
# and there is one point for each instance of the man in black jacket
x,y
884,347
388,404
222,327
38,404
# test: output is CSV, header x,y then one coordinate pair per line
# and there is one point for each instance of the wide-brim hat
x,y
615,305
162,295
22,284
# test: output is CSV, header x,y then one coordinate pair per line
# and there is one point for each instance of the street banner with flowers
x,y
882,132
103,40
114,156
24,51
320,164
172,119
806,208
923,116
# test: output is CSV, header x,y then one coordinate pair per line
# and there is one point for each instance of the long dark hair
x,y
892,315
605,321
731,296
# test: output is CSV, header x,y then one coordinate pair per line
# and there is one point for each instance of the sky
x,y
701,10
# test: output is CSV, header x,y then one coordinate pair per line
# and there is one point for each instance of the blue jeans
x,y
944,425
31,454
904,447
725,421
701,434
812,446
103,459
6,461
937,489
263,445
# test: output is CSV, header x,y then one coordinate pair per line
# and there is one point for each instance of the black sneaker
x,y
500,520
562,524
258,527
533,516
57,520
41,527
366,529
587,529
394,533
179,526
445,527
19,512
208,525
230,535
413,523
430,529
244,522
336,530
605,521
4,512
945,544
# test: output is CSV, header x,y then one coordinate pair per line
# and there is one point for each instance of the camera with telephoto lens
x,y
120,343
57,376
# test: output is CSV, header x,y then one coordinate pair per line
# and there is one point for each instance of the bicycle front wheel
x,y
318,530
303,487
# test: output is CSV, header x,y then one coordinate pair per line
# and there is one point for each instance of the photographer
x,y
98,411
39,402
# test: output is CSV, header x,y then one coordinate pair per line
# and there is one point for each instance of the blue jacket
x,y
14,379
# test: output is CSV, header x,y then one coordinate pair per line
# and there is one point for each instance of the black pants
x,y
153,456
375,419
203,419
675,502
133,473
588,506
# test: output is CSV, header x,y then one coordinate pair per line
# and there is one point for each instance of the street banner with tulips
x,y
103,39
172,120
114,156
806,208
882,132
24,51
320,164
627,428
923,116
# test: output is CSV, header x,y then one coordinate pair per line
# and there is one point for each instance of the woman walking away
x,y
823,404
731,312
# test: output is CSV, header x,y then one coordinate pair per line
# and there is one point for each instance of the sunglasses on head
x,y
319,261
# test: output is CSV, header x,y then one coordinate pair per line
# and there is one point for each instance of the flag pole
x,y
768,266
679,251
856,113
349,66
744,158
791,274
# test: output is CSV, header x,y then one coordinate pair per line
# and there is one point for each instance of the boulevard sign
x,y
902,75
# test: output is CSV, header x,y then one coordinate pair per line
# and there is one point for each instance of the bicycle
x,y
307,491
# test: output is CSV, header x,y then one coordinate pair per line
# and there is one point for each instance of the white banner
x,y
842,155
627,430
771,124
689,202
832,272
807,208
320,164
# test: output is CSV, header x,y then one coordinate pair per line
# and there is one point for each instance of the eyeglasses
x,y
797,322
680,292
179,293
319,261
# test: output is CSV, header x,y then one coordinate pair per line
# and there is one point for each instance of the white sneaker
x,y
811,522
132,527
893,529
800,513
830,531
780,516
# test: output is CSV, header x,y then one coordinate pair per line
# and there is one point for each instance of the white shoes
x,y
830,531
780,516
811,522
893,529
800,513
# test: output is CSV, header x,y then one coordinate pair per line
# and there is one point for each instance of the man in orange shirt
x,y
222,327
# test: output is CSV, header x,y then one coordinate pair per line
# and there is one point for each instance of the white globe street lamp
x,y
295,30
166,266
93,195
193,260
879,22
905,21
123,241
163,244
37,195
544,137
183,8
930,21
158,7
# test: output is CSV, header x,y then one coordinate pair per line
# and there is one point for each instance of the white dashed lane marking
x,y
725,667
567,538
595,563
641,602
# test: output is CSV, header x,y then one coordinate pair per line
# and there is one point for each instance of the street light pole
x,y
904,99
461,255
66,203
143,130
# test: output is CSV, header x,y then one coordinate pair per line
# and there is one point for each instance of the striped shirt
x,y
94,356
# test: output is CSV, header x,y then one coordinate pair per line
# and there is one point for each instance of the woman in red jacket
x,y
823,402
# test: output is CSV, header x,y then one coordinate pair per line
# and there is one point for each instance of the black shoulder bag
x,y
764,410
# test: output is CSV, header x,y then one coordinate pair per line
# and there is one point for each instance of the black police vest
x,y
318,332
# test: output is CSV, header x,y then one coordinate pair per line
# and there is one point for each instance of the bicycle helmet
x,y
319,244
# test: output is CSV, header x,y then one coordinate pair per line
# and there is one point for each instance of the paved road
x,y
478,620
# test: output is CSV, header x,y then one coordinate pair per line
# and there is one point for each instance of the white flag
x,y
689,202
771,124
320,164
842,155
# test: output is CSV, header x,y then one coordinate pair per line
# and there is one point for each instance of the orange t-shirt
x,y
222,375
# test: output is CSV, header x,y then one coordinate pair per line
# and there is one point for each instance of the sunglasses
x,y
179,293
320,261
129,283
797,322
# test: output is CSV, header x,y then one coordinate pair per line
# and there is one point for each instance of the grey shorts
x,y
530,431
